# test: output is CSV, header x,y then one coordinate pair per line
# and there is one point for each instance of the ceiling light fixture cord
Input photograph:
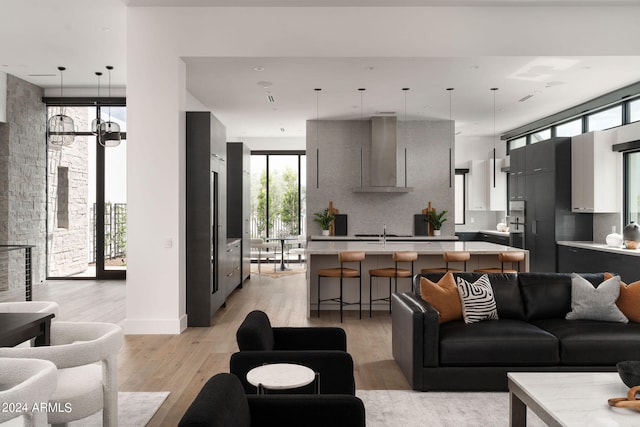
x,y
451,137
494,89
317,137
406,137
361,134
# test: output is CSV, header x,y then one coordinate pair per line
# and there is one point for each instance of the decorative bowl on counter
x,y
502,227
614,240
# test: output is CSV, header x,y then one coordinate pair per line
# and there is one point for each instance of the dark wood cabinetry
x,y
239,201
540,174
205,216
580,260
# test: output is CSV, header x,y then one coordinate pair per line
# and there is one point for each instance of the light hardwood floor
x,y
182,363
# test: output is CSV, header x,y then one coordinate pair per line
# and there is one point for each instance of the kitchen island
x,y
324,254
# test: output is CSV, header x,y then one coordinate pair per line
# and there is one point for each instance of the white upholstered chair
x,y
297,248
264,250
24,385
86,386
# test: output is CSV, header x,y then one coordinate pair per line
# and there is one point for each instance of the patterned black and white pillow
x,y
477,300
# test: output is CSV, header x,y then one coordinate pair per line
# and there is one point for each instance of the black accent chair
x,y
222,402
322,349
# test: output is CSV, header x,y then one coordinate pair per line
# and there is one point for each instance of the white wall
x,y
156,96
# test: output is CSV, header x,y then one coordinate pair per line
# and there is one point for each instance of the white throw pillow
x,y
477,300
591,303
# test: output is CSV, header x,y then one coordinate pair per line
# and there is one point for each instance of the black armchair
x,y
322,349
222,402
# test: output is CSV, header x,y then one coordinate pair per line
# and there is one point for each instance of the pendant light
x,y
96,123
361,133
406,125
494,90
451,137
109,130
60,127
317,136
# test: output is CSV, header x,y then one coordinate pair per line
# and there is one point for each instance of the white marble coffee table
x,y
568,399
282,376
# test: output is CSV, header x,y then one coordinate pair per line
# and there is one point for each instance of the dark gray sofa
x,y
531,334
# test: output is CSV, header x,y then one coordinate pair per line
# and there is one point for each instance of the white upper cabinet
x,y
483,195
595,173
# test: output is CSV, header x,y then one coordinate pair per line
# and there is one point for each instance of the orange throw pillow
x,y
629,300
443,296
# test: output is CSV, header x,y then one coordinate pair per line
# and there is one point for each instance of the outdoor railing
x,y
28,266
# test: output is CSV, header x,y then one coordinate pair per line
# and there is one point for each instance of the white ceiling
x,y
86,35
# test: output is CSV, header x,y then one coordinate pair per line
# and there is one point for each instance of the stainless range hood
x,y
383,176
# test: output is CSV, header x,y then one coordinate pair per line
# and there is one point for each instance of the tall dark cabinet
x,y
541,176
239,201
205,216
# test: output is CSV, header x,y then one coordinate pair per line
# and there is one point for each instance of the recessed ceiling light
x,y
264,84
475,67
258,68
105,28
369,68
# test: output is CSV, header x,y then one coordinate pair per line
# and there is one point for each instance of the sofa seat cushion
x,y
504,342
592,342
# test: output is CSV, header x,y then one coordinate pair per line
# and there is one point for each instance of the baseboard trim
x,y
155,326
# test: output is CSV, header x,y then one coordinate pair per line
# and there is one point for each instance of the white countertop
x,y
423,248
601,247
389,238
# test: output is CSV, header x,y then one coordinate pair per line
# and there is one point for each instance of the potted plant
x,y
324,218
436,220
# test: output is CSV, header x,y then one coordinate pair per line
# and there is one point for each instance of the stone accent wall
x,y
67,237
22,181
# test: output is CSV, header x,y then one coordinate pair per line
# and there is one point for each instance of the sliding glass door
x,y
277,193
86,200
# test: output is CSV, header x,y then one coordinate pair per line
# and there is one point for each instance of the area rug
x,y
267,270
389,408
135,409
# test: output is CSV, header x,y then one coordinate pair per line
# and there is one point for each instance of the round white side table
x,y
282,376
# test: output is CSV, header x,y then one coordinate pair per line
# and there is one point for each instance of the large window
x,y
571,128
540,136
277,194
87,199
632,187
634,111
605,119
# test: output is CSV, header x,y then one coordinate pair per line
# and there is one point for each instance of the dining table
x,y
16,328
282,242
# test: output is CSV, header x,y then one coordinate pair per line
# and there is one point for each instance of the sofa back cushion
x,y
505,291
548,295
